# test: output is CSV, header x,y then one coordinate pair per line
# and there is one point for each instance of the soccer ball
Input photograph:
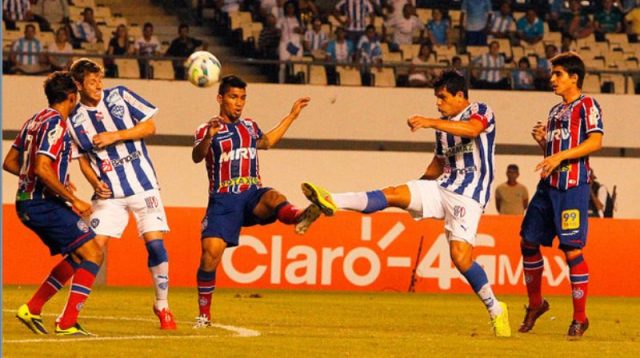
x,y
203,69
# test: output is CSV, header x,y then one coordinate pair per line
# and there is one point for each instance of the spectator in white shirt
x,y
27,56
290,38
146,45
315,40
402,28
61,45
86,30
502,25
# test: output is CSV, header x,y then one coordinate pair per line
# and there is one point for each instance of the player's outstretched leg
x,y
29,313
364,202
272,202
533,266
579,277
461,256
158,263
212,249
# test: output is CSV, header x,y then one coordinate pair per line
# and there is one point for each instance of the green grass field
x,y
302,323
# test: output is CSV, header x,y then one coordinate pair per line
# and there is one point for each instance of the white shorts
x,y
461,214
110,216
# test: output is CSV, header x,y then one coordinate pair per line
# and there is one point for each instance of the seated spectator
x,y
492,76
556,8
402,28
146,45
20,10
456,65
308,11
368,53
543,70
522,78
354,16
633,24
85,30
575,24
475,14
339,51
530,28
608,20
183,46
118,45
269,38
422,76
502,24
290,38
438,28
60,45
27,56
315,40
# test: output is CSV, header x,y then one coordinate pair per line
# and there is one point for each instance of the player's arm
x,y
466,129
200,150
498,199
273,136
45,172
101,188
12,161
539,134
434,170
592,144
139,131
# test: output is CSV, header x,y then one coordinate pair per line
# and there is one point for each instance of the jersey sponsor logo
x,y
594,116
460,148
82,226
560,133
106,166
240,153
570,219
134,102
240,181
465,170
55,134
117,111
459,211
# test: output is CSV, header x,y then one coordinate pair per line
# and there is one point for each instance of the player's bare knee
x,y
461,258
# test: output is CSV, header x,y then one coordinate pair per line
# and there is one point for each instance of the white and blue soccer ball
x,y
203,69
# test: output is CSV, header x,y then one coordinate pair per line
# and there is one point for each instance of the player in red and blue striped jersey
x,y
229,145
560,206
40,156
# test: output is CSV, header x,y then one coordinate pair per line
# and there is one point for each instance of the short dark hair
x,y
87,9
183,26
58,86
30,26
230,81
147,24
572,63
513,167
453,82
82,66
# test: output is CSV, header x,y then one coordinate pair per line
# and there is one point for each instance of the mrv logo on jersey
x,y
108,165
240,153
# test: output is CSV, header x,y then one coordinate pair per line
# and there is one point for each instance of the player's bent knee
x,y
91,251
157,253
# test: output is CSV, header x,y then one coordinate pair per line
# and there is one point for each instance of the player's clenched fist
x,y
83,208
214,127
417,122
539,132
104,139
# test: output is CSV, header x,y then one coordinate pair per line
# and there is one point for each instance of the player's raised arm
x,y
204,134
141,130
273,136
12,162
466,129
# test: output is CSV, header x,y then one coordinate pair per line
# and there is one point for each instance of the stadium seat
x,y
46,37
618,81
11,35
134,31
505,46
318,75
617,41
553,38
75,13
127,68
441,50
409,51
114,21
238,18
475,51
391,57
517,52
85,3
162,69
424,15
103,12
384,77
349,76
378,22
587,42
384,48
455,17
591,83
301,69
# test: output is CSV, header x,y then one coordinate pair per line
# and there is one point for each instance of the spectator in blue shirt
x,y
522,78
438,28
576,23
502,24
369,53
608,20
475,14
530,28
339,51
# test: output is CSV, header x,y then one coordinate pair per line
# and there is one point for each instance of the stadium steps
x,y
166,29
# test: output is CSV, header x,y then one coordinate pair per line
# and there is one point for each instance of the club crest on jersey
x,y
117,111
113,97
54,134
78,119
250,129
82,226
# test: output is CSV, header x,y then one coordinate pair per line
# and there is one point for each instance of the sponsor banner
x,y
380,252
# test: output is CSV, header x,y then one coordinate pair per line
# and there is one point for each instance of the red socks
x,y
287,213
579,276
533,265
58,277
80,289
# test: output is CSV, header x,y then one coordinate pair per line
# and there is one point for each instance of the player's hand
x,y
70,187
548,165
104,139
539,132
82,207
102,190
417,122
298,106
214,128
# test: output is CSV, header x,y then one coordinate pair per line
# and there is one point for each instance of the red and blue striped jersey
x,y
232,159
43,134
568,126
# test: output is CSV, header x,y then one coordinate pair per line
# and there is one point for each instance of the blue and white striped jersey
x,y
124,166
358,11
468,167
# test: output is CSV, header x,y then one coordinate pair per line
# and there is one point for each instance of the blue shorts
x,y
227,213
61,229
554,212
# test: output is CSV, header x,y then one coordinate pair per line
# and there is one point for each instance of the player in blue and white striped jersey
x,y
455,186
109,127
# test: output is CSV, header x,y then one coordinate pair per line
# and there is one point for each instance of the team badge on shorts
x,y
82,226
95,222
570,219
204,224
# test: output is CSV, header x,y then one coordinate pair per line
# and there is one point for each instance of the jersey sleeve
x,y
139,108
592,116
259,133
201,131
18,143
51,137
480,112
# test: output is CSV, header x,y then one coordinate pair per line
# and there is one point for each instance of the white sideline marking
x,y
239,331
89,339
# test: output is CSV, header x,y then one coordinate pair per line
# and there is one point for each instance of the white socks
x,y
351,201
160,276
